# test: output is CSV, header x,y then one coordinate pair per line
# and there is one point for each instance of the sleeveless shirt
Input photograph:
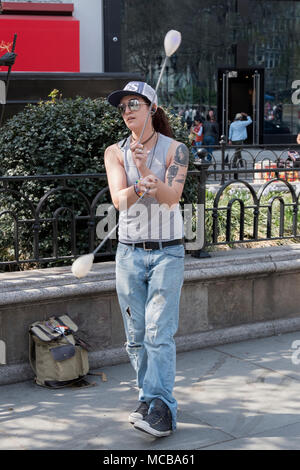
x,y
148,220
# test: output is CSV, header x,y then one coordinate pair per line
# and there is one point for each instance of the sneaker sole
x,y
144,427
133,417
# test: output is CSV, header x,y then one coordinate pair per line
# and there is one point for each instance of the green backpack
x,y
57,356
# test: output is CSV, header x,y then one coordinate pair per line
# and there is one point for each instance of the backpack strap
x,y
43,332
32,353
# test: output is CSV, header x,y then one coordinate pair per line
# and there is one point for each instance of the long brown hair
x,y
161,123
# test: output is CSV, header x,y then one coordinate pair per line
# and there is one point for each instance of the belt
x,y
155,245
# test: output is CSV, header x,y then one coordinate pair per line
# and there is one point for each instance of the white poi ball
x,y
82,265
172,42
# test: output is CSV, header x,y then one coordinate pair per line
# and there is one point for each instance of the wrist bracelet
x,y
136,189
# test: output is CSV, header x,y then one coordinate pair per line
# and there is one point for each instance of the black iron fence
x,y
248,157
256,198
247,195
50,218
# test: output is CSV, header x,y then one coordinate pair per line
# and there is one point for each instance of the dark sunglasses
x,y
133,105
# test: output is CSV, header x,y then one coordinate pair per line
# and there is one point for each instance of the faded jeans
x,y
196,147
208,141
148,287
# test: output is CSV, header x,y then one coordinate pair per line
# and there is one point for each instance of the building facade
x,y
236,55
252,47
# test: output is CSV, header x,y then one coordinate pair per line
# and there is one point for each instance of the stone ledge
x,y
20,372
50,283
231,296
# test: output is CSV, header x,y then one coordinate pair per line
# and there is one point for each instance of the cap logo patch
x,y
135,86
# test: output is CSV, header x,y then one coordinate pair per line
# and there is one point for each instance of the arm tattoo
x,y
180,180
181,159
181,155
172,173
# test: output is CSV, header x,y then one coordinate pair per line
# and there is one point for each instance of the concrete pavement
x,y
241,395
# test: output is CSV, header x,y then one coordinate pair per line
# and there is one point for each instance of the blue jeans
x,y
148,287
208,141
195,148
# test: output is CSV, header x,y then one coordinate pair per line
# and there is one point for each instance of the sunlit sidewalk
x,y
237,396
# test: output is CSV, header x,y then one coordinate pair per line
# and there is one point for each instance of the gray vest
x,y
148,220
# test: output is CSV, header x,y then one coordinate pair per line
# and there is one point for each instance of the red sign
x,y
44,43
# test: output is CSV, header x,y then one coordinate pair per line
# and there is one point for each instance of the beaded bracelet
x,y
136,189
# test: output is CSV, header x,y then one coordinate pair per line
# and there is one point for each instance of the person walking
x,y
237,136
150,252
197,134
210,135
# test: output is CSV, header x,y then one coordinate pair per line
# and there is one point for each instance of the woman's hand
x,y
139,156
148,183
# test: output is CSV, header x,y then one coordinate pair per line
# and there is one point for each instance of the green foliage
x,y
59,136
64,136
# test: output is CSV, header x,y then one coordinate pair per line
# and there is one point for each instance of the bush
x,y
60,136
64,136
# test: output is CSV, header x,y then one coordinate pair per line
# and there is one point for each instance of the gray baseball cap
x,y
133,88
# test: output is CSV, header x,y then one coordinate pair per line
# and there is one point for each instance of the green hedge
x,y
64,136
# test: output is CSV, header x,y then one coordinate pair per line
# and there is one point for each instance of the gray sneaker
x,y
140,413
158,422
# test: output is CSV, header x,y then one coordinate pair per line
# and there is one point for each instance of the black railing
x,y
254,203
49,220
252,157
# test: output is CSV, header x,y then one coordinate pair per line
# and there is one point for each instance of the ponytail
x,y
161,123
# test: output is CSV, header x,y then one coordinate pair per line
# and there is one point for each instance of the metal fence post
x,y
202,165
223,145
36,246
